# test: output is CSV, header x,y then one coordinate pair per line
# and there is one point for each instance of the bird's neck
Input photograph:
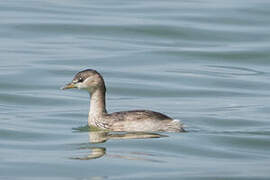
x,y
97,104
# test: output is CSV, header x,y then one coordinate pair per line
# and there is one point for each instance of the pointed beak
x,y
69,86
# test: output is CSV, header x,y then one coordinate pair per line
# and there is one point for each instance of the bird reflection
x,y
103,136
96,137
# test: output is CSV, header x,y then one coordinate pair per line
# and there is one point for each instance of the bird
x,y
123,121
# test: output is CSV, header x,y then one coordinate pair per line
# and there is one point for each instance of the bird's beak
x,y
69,86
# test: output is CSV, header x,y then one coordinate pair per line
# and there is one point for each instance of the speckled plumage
x,y
136,120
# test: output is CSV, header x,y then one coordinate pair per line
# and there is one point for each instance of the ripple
x,y
235,71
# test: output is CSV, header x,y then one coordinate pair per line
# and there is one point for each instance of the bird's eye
x,y
80,80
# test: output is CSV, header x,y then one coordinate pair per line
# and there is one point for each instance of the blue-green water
x,y
206,62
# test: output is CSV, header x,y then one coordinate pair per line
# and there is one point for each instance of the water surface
x,y
203,62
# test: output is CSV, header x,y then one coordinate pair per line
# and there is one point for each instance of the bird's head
x,y
88,79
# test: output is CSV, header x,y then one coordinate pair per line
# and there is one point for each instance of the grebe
x,y
129,121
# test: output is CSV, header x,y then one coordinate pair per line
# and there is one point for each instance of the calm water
x,y
206,62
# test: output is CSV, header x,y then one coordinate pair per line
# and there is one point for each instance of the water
x,y
204,62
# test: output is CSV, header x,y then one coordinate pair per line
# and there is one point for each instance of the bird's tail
x,y
176,126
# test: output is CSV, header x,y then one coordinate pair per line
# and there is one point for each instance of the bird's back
x,y
142,120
